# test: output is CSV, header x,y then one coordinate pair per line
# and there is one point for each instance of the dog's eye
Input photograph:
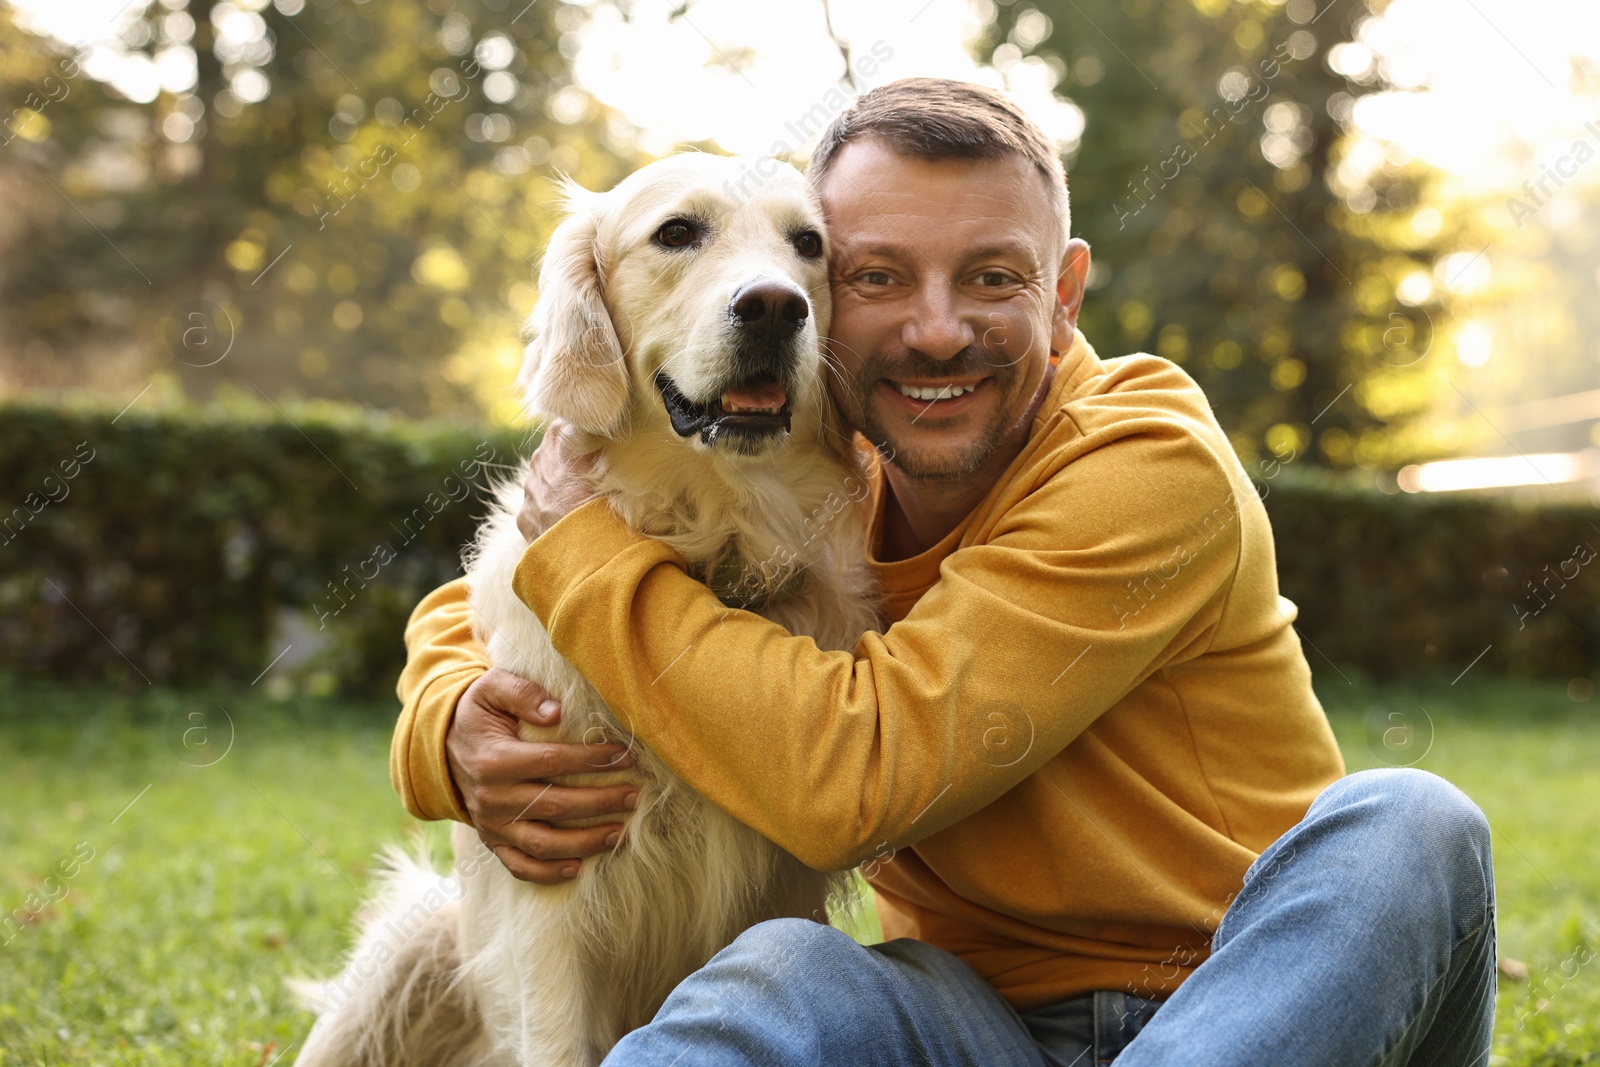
x,y
679,233
808,243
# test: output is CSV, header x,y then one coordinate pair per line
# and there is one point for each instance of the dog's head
x,y
691,296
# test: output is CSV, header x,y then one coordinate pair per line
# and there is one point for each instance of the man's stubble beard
x,y
942,464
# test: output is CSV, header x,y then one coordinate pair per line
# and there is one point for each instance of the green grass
x,y
1529,755
171,943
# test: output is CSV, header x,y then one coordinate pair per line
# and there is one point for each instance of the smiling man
x,y
1083,768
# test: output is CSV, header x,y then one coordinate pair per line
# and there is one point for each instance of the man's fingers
x,y
555,803
548,863
528,869
558,480
526,761
551,843
515,695
547,712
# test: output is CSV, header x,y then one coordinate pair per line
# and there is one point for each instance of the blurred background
x,y
1389,209
263,265
1370,231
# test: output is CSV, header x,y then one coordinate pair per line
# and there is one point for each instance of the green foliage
x,y
406,185
198,543
171,944
1227,233
193,546
1403,584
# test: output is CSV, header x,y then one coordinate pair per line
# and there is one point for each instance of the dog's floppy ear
x,y
573,367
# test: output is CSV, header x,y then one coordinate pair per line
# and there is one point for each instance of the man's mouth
x,y
759,406
932,396
937,390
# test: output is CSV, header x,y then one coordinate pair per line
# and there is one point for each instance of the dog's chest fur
x,y
687,877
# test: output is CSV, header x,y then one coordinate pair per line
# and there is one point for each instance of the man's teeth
x,y
929,392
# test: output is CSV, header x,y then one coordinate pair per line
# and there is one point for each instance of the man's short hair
x,y
937,119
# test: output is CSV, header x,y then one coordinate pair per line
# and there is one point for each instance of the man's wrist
x,y
456,795
430,790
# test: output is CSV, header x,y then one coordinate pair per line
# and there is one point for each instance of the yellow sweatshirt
x,y
1090,714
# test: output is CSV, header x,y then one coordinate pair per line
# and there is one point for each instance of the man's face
x,y
948,291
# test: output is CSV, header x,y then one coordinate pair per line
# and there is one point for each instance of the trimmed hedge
x,y
1407,584
193,547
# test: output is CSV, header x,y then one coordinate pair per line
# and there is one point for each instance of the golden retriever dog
x,y
679,333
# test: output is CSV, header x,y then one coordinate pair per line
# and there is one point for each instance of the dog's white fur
x,y
493,970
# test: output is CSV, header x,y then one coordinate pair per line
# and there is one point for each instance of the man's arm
x,y
443,659
457,753
1096,579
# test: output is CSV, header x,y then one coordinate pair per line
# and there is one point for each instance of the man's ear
x,y
573,367
1069,294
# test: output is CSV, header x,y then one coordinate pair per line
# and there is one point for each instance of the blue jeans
x,y
1364,937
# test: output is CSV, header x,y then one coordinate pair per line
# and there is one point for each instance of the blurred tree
x,y
1239,227
346,199
1526,325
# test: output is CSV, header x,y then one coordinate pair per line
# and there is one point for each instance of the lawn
x,y
177,855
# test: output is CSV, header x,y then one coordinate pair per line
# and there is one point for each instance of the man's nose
x,y
937,327
769,310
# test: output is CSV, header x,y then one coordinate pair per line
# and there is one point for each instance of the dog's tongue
x,y
760,395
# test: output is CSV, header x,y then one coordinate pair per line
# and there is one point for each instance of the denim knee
x,y
1419,827
1418,801
778,945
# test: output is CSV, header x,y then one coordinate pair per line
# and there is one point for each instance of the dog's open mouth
x,y
756,407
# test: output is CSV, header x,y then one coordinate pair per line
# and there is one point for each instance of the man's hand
x,y
557,480
502,778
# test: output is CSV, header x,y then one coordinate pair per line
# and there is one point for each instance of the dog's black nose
x,y
770,308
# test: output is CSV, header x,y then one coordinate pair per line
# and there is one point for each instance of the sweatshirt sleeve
x,y
1092,581
443,658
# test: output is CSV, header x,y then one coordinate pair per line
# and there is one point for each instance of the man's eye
x,y
875,277
678,233
993,279
808,244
